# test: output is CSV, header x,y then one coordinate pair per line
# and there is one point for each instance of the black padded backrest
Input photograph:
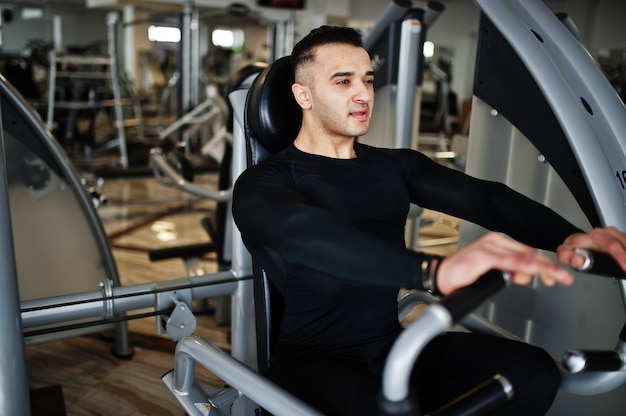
x,y
272,117
271,122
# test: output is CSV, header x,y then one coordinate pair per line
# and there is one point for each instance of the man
x,y
326,216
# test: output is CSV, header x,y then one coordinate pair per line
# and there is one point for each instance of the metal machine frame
x,y
588,110
580,133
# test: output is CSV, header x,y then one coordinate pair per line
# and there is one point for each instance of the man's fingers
x,y
521,278
609,240
497,251
524,262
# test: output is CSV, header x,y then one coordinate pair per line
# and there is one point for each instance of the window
x,y
228,38
163,34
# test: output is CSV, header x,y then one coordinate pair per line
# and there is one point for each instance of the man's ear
x,y
302,95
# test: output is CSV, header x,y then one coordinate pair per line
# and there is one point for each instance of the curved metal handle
x,y
160,165
435,319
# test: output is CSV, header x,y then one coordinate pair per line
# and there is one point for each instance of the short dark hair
x,y
303,51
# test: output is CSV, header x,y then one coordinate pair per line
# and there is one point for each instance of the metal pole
x,y
194,48
243,331
112,23
411,58
185,60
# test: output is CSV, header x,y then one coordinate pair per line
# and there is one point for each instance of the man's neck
x,y
338,148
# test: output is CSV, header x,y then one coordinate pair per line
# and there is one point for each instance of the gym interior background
x,y
68,24
57,54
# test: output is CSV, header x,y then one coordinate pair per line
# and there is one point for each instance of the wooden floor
x,y
142,215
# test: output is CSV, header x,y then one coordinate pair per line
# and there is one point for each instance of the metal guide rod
x,y
95,304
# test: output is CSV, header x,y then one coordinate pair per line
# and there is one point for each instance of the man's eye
x,y
343,81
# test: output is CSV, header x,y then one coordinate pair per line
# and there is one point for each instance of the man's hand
x,y
497,251
609,240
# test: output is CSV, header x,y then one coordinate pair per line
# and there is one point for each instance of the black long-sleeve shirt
x,y
331,231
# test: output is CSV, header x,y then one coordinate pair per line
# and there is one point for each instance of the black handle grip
x,y
481,400
464,300
597,262
576,361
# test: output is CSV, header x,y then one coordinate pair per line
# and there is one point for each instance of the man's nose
x,y
364,94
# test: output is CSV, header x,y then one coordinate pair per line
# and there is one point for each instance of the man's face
x,y
342,89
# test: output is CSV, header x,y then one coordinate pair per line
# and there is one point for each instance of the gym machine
x,y
547,122
595,112
395,45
